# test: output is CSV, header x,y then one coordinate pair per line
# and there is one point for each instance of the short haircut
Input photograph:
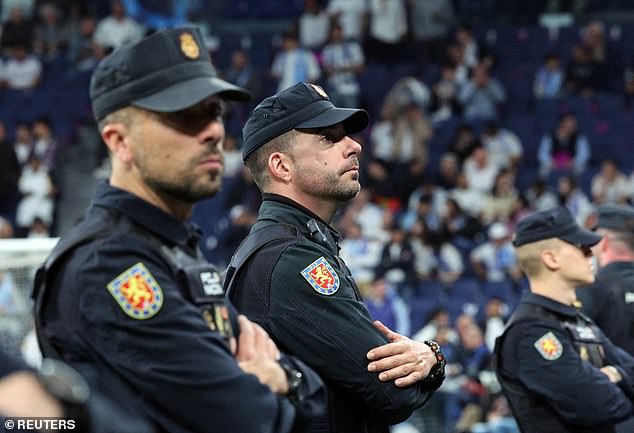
x,y
123,115
621,240
529,256
258,161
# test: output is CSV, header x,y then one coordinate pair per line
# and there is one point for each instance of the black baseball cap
x,y
303,105
553,223
616,217
167,71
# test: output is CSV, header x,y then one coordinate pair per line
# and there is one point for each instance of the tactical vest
x,y
198,281
533,413
346,412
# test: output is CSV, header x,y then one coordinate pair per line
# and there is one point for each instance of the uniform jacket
x,y
609,301
162,359
303,294
548,361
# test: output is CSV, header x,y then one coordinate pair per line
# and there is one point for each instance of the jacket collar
x,y
549,304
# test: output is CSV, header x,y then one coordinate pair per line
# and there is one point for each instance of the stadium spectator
x,y
448,172
352,15
574,198
37,191
117,29
565,148
45,145
549,78
49,37
610,184
430,22
361,254
10,170
582,73
481,95
294,63
500,201
369,215
459,227
481,170
469,199
23,143
444,95
495,260
397,261
540,197
436,258
17,30
384,304
83,52
502,145
243,74
313,25
387,30
22,71
463,142
342,62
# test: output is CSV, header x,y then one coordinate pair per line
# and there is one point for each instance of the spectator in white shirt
x,y
37,190
117,29
481,170
313,25
351,15
495,260
503,145
22,71
388,28
610,185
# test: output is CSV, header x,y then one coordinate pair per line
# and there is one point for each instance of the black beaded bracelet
x,y
438,370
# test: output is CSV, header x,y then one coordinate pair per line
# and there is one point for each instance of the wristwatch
x,y
438,370
294,378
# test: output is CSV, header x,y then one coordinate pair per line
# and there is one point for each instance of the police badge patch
x,y
549,347
321,276
189,47
137,292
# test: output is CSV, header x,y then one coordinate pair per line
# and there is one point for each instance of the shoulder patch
x,y
549,346
321,276
137,292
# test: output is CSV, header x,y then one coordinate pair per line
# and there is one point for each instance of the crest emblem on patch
x,y
137,292
549,346
321,276
320,91
189,47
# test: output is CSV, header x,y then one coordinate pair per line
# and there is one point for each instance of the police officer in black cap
x,y
609,301
558,371
126,297
288,277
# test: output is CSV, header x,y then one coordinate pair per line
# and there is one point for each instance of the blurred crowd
x,y
467,136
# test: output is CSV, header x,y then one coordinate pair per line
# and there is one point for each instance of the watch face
x,y
63,382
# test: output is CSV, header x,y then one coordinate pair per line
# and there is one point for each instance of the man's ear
x,y
550,259
116,137
279,166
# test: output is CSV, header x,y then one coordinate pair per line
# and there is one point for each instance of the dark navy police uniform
x,y
548,364
548,358
303,294
132,308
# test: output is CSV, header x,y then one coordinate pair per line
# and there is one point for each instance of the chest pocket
x,y
587,341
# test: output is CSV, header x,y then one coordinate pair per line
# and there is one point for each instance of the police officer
x,y
126,297
557,369
287,274
609,301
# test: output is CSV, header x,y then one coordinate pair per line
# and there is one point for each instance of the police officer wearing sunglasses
x,y
126,297
558,370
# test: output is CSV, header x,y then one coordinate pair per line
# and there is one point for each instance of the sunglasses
x,y
585,250
193,120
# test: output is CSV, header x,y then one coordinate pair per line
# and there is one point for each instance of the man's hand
x,y
22,395
403,360
257,354
612,373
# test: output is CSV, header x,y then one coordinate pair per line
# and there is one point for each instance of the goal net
x,y
19,259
